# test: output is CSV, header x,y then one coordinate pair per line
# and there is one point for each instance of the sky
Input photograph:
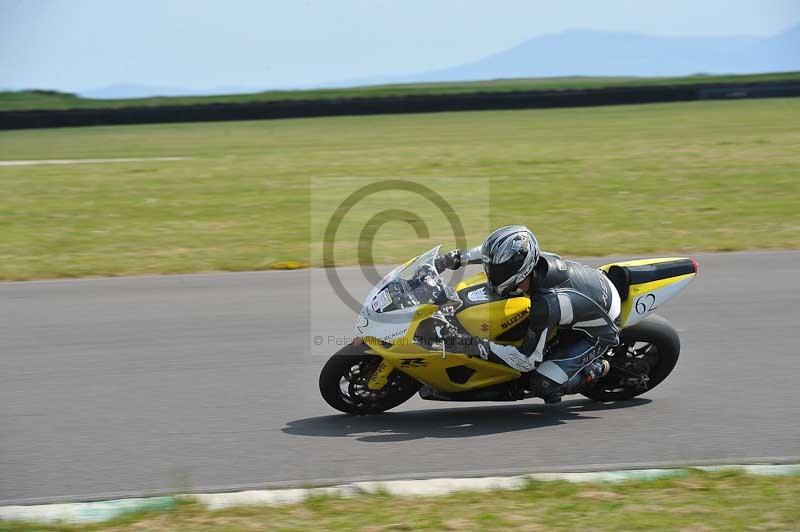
x,y
79,45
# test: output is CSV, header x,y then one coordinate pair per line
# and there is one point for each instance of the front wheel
x,y
647,353
344,378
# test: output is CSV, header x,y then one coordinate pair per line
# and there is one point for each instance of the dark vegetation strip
x,y
29,100
427,103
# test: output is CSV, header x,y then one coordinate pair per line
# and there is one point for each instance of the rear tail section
x,y
646,284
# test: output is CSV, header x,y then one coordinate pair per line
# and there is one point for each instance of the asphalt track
x,y
114,387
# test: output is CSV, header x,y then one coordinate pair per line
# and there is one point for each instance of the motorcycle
x,y
399,352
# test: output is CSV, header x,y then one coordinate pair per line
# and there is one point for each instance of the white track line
x,y
91,161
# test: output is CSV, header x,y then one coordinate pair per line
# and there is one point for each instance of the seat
x,y
656,271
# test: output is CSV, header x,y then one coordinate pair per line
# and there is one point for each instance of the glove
x,y
449,261
457,342
469,345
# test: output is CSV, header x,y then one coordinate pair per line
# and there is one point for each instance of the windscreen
x,y
416,283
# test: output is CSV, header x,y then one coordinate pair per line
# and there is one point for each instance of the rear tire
x,y
343,384
660,352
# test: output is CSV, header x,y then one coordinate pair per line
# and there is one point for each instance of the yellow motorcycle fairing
x,y
484,314
441,370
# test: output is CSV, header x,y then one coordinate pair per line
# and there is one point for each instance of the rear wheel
x,y
647,353
344,380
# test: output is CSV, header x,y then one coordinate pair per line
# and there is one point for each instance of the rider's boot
x,y
596,370
551,391
545,388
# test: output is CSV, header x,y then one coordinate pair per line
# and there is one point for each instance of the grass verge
x,y
624,179
699,501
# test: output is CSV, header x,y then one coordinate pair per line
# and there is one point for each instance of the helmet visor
x,y
498,274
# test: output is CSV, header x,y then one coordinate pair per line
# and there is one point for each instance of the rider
x,y
576,301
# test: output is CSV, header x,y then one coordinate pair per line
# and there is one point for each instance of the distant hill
x,y
600,53
571,53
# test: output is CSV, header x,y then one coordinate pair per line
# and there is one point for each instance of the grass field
x,y
22,100
697,502
605,180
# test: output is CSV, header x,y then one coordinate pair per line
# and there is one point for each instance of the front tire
x,y
343,384
650,347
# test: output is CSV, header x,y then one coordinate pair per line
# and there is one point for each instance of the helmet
x,y
509,255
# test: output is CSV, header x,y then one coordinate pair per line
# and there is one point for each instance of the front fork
x,y
381,376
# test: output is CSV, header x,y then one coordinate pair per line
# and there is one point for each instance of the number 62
x,y
645,303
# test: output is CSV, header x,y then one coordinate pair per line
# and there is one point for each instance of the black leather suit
x,y
574,320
